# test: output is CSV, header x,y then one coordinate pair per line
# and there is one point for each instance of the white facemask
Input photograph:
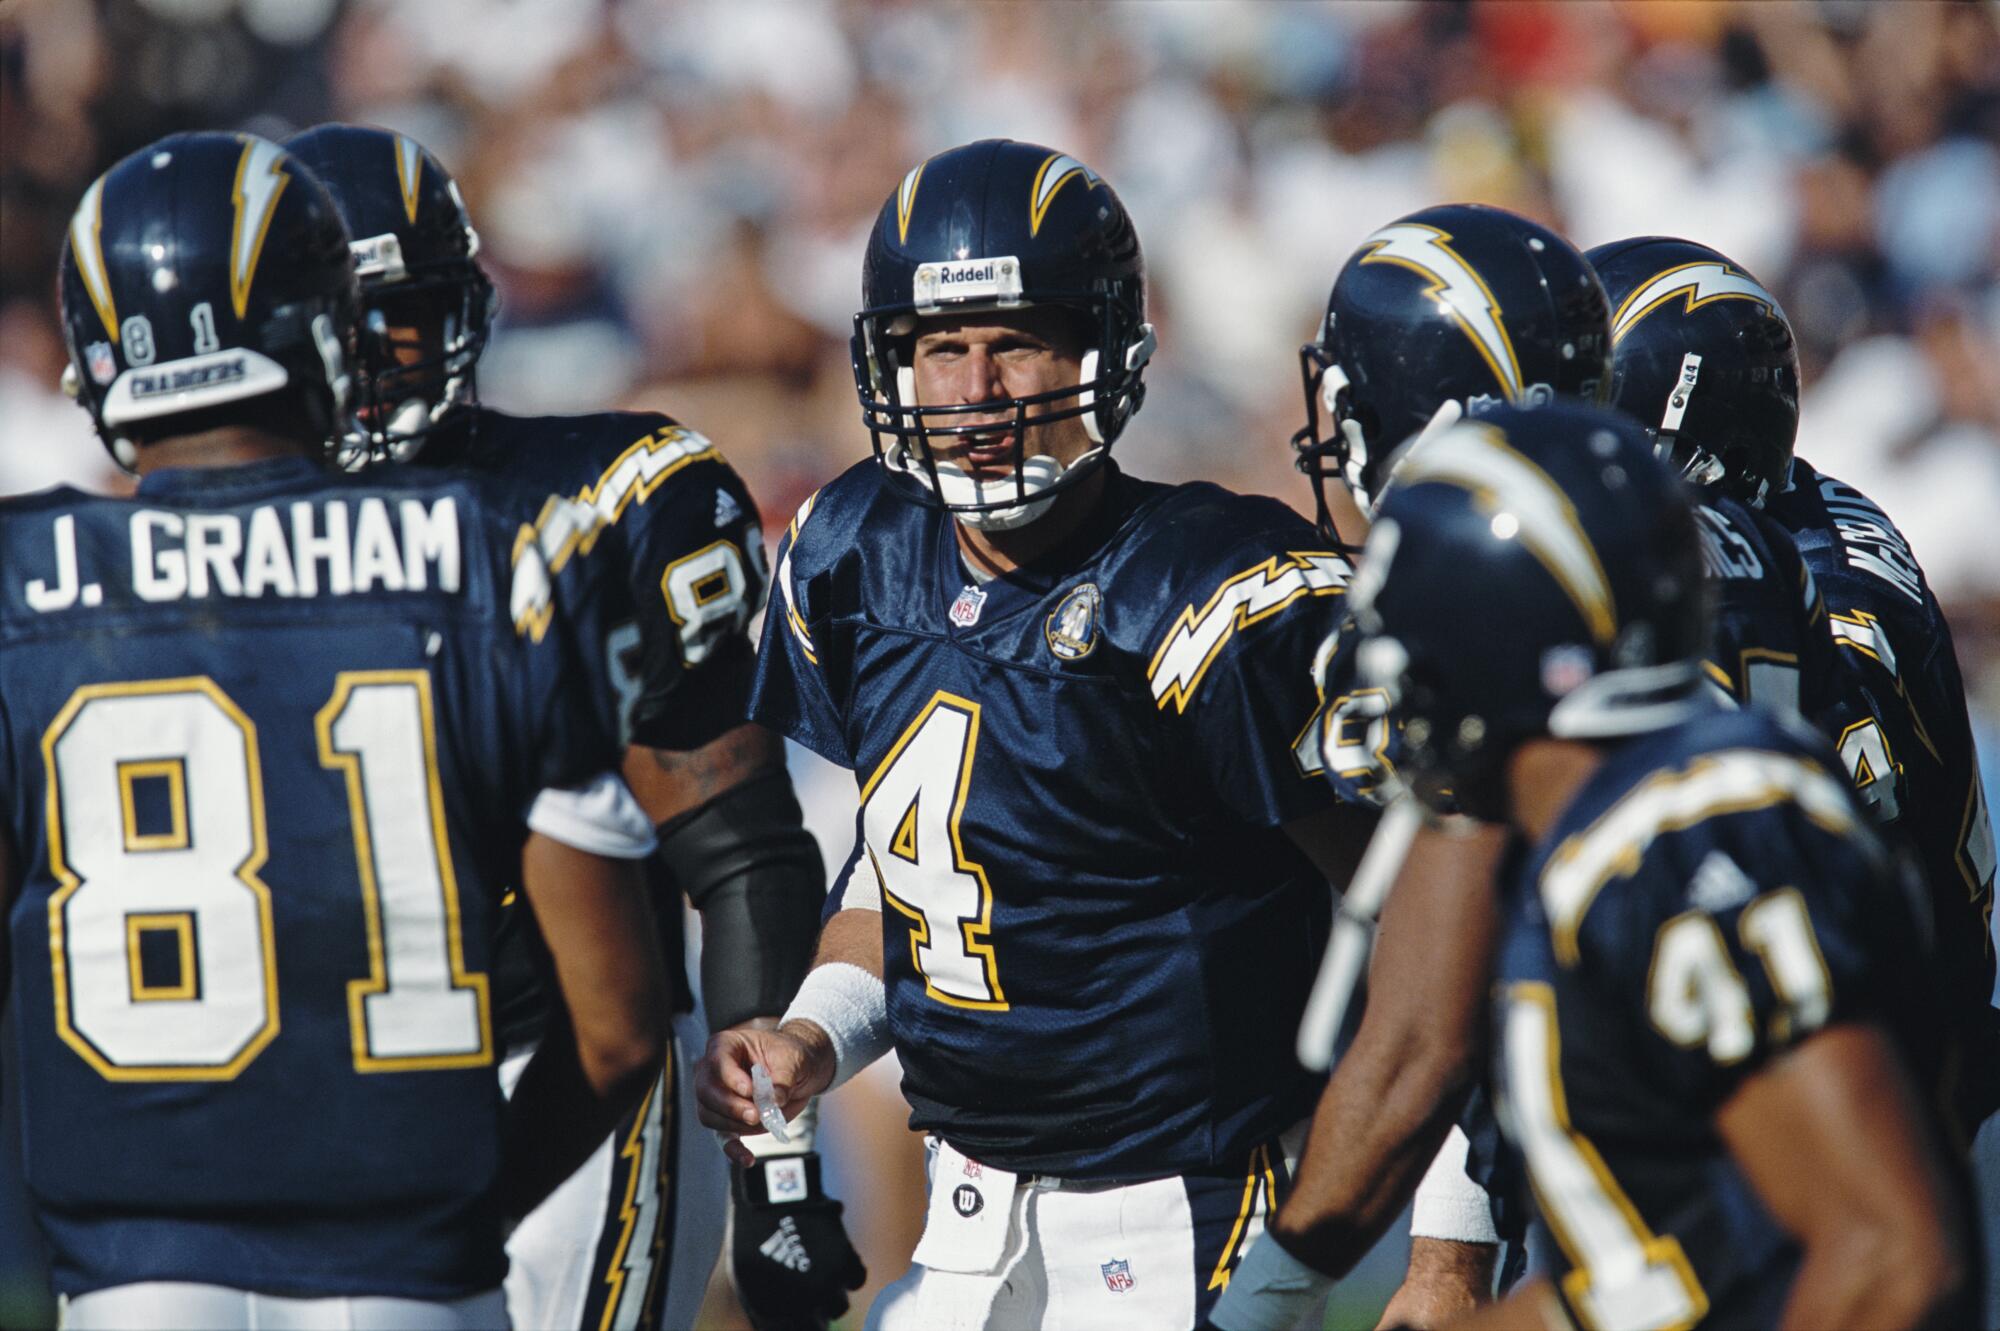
x,y
955,486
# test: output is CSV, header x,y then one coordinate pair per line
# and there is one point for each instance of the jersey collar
x,y
247,479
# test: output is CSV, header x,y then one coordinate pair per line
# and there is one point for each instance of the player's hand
x,y
799,1058
789,1257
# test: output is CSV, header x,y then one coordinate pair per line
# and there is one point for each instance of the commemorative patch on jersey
x,y
965,610
1072,626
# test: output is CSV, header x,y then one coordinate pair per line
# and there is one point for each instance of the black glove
x,y
789,1257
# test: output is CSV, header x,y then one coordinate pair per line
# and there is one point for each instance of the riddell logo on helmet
x,y
986,272
997,279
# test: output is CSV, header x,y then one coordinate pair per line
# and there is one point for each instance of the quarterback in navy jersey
x,y
1085,907
1711,982
273,750
659,547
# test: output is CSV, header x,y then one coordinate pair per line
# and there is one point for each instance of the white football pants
x,y
167,1305
1150,1256
641,1222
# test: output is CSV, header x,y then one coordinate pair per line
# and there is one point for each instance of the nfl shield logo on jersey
x,y
1117,1275
965,610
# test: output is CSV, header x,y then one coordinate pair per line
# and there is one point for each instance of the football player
x,y
1451,310
666,541
1711,985
1089,888
272,752
1705,360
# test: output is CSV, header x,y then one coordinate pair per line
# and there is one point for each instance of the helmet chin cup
x,y
962,492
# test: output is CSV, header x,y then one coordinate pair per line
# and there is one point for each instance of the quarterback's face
x,y
993,357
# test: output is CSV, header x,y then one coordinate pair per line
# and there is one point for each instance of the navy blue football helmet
x,y
1529,572
1703,357
202,272
417,256
999,225
1446,312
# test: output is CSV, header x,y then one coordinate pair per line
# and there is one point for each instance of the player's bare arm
x,y
597,923
1878,1248
1398,1088
671,782
800,1055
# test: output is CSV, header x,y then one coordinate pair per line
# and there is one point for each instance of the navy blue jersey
x,y
661,558
1891,630
268,737
1770,641
659,543
1098,941
1770,646
1712,896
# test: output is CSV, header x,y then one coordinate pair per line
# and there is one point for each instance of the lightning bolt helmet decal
x,y
1701,284
260,181
1427,251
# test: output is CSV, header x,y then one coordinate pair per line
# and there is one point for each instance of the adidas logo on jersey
x,y
786,1248
1718,885
727,510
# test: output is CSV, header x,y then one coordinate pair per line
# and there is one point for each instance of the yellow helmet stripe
x,y
1477,458
409,173
260,180
906,201
86,244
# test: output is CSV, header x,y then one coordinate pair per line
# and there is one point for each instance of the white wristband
x,y
1272,1290
1449,1205
852,1007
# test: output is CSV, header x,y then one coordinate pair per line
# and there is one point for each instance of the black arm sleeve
x,y
750,867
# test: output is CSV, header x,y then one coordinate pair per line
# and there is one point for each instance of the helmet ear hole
x,y
1093,420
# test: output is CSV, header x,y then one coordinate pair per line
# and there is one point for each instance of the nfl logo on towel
x,y
1117,1275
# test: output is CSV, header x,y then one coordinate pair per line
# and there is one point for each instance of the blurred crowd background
x,y
674,195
